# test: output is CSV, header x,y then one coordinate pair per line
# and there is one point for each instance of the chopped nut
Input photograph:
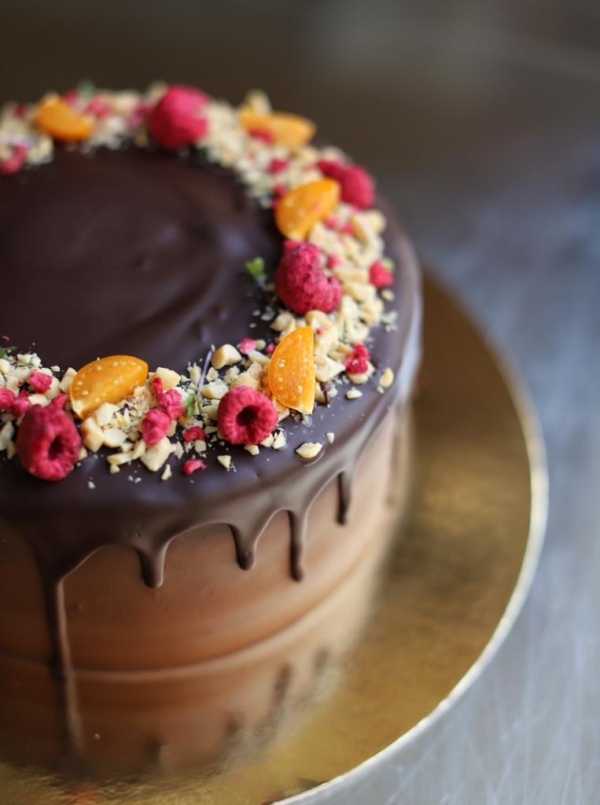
x,y
155,456
167,473
280,440
224,461
253,449
105,413
330,436
353,394
309,449
91,432
169,378
215,390
386,379
113,437
226,356
6,433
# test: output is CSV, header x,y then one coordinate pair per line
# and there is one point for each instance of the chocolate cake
x,y
210,333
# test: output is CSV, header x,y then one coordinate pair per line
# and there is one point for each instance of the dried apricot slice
x,y
292,371
299,209
106,380
57,119
291,131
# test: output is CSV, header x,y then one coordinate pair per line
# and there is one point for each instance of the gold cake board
x,y
457,577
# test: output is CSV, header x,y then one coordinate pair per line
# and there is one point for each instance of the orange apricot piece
x,y
106,380
299,209
292,371
60,121
290,131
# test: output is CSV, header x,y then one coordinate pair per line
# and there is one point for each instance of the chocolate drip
x,y
345,496
297,540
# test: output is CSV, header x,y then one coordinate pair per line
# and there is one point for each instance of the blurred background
x,y
481,121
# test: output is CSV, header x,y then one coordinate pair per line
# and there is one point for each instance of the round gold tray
x,y
456,579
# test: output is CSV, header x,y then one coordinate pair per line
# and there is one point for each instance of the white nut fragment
x,y
253,449
155,456
386,379
309,449
113,437
224,461
169,378
6,434
353,394
167,473
215,390
280,440
226,355
330,436
93,437
105,413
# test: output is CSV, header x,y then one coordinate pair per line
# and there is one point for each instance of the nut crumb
x,y
353,394
225,461
330,436
309,449
386,379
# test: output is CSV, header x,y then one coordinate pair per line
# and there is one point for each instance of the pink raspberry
x,y
270,349
261,134
155,425
246,345
357,363
175,120
380,276
40,382
7,400
276,165
193,465
355,183
193,433
333,260
246,416
14,162
21,405
59,401
168,401
301,283
289,245
98,107
48,442
278,191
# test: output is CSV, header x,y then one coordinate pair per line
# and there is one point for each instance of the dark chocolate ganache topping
x,y
142,253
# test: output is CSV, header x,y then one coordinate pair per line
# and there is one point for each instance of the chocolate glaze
x,y
143,253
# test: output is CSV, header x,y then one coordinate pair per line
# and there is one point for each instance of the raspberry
x,y
246,345
301,283
48,443
380,276
357,363
355,183
193,433
246,416
59,401
333,260
7,399
261,134
193,465
13,163
168,401
97,107
276,165
40,382
174,121
289,245
155,425
21,405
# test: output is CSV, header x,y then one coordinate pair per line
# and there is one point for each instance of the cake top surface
x,y
200,299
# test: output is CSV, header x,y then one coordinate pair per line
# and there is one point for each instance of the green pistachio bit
x,y
256,269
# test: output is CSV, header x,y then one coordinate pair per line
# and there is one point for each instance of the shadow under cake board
x,y
456,579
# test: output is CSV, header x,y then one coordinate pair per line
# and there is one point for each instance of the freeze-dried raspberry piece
x,y
175,120
168,401
48,442
246,345
379,275
289,245
20,405
7,399
59,401
193,465
246,416
355,183
193,433
263,135
14,162
301,283
276,165
40,382
357,363
155,425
